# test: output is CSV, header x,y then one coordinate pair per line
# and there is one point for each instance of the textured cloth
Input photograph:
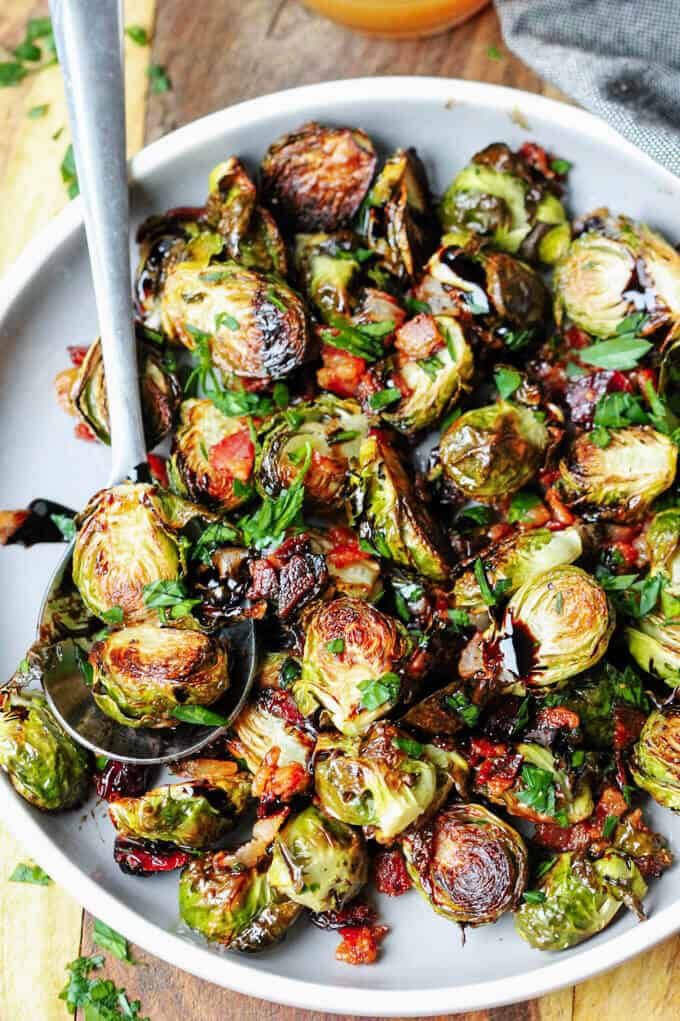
x,y
618,58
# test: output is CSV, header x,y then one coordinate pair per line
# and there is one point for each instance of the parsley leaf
x,y
609,828
28,873
138,34
539,792
113,616
158,78
107,938
36,112
11,73
490,595
534,896
415,307
507,381
377,691
211,538
100,998
69,174
461,704
622,351
458,620
169,595
560,167
224,319
414,749
65,524
521,505
383,398
364,341
266,527
289,672
336,646
198,714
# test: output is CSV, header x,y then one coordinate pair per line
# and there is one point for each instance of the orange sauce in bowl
x,y
398,18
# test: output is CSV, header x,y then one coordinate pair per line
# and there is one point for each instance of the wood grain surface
x,y
218,52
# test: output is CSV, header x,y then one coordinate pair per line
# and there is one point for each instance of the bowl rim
x,y
197,959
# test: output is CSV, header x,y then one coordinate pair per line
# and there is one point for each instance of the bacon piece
x,y
391,875
628,724
158,466
234,456
341,371
360,945
558,717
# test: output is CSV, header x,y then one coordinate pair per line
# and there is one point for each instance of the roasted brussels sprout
x,y
611,264
232,903
600,697
505,301
500,196
163,242
253,326
210,451
191,815
654,643
556,625
141,674
374,781
45,766
662,545
620,481
393,517
315,178
127,540
250,234
431,367
353,664
577,898
318,862
399,221
160,392
327,267
352,571
270,721
655,763
493,451
333,431
468,864
516,560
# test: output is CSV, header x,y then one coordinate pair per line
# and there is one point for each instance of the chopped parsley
x,y
461,704
534,896
414,749
507,381
211,538
336,646
107,938
383,398
560,167
377,691
490,594
521,505
609,828
113,616
65,524
199,715
539,793
169,595
158,79
364,341
623,351
138,34
458,620
266,527
69,174
289,672
26,872
99,997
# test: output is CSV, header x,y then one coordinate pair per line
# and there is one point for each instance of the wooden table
x,y
218,52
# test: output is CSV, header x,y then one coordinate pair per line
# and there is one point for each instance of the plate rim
x,y
199,960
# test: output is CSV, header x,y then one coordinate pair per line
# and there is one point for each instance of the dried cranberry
x,y
121,780
143,859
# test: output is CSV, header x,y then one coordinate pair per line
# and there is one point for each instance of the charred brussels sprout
x,y
250,234
163,242
399,221
596,696
128,539
233,904
371,781
655,764
332,430
577,898
270,721
210,452
500,196
328,266
160,393
662,545
493,451
141,674
353,664
318,862
556,625
395,518
654,644
618,482
614,261
517,560
45,766
253,325
315,178
189,815
468,864
543,791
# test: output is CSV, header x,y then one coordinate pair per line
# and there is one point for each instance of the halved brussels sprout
x,y
620,481
141,674
577,898
269,722
232,903
430,382
662,545
374,782
491,452
250,233
351,570
516,560
191,815
556,625
353,664
333,430
128,539
253,325
159,389
163,241
468,864
500,196
327,268
507,300
399,221
611,264
655,763
654,644
210,451
543,790
318,862
45,766
395,519
315,178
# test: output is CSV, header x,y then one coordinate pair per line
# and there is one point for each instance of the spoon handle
x,y
89,39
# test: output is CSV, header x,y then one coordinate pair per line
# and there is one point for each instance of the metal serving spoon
x,y
89,41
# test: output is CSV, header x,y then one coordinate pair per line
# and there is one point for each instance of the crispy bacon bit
x,y
419,337
536,156
612,802
10,524
360,945
282,704
83,432
144,859
582,834
341,372
63,385
628,723
481,748
558,717
274,784
234,456
354,915
346,549
76,353
288,577
498,775
561,514
158,466
121,780
577,339
391,875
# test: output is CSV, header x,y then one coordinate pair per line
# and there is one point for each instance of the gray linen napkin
x,y
618,58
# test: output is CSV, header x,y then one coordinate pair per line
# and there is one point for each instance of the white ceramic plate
x,y
47,303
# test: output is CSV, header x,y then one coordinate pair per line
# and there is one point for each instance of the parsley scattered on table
x,y
107,938
26,872
158,78
138,34
100,998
